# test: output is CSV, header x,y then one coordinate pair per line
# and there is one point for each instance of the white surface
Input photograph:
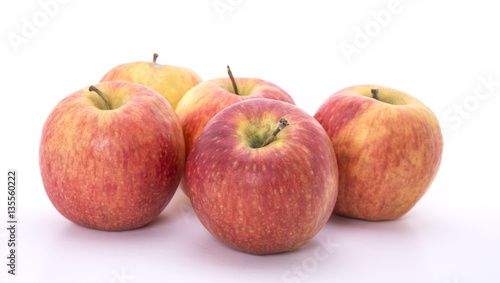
x,y
438,52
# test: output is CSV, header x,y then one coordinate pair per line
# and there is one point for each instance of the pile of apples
x,y
262,175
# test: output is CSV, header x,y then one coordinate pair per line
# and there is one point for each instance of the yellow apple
x,y
172,82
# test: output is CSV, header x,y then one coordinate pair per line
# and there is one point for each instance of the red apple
x,y
262,199
388,145
205,100
172,82
112,165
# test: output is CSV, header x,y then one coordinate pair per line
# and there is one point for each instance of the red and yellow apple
x,y
208,98
112,155
258,194
172,82
388,146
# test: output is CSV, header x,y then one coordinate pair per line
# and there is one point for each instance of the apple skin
x,y
112,169
388,150
208,98
172,82
262,200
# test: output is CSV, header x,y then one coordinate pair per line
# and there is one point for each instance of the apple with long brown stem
x,y
208,98
262,176
112,155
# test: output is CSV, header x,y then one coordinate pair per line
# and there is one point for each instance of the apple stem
x,y
281,125
232,80
375,93
154,57
96,90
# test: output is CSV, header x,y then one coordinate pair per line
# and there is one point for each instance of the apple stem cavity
x,y
232,80
155,56
281,125
375,93
96,90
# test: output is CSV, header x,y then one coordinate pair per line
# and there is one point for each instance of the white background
x,y
438,52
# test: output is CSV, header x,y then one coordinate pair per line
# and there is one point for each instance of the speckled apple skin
x,y
112,169
208,98
262,200
388,154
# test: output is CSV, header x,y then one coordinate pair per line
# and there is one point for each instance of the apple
x,y
388,146
203,101
259,189
172,82
111,156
